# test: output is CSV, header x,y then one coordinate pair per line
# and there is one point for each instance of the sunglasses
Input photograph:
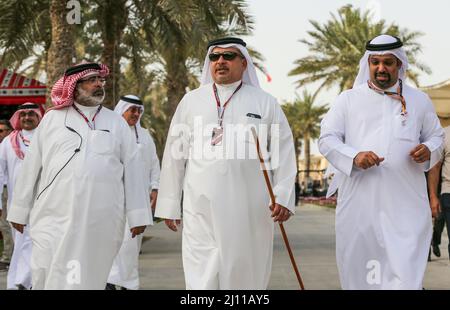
x,y
226,55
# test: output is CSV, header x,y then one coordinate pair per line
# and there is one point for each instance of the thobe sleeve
x,y
332,138
432,135
26,186
155,169
137,201
284,167
168,205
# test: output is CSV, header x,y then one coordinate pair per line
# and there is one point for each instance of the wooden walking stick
x,y
272,198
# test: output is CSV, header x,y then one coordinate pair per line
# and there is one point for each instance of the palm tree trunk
x,y
112,18
61,51
176,83
307,155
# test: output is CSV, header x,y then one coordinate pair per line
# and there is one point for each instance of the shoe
x,y
110,287
436,250
20,287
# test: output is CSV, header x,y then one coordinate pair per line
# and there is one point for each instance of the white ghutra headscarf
x,y
381,45
249,76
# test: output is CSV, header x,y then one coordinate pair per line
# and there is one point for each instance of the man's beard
x,y
385,83
86,99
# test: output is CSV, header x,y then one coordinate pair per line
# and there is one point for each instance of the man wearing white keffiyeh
x,y
379,138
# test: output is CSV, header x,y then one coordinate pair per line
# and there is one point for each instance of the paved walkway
x,y
311,234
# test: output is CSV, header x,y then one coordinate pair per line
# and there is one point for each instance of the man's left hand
x,y
280,213
420,154
137,231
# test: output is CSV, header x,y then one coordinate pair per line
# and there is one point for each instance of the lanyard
x,y
221,110
137,136
85,118
25,141
398,95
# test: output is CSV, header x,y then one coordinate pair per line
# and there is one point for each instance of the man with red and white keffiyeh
x,y
82,182
12,152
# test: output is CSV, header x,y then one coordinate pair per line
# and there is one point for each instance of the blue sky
x,y
279,24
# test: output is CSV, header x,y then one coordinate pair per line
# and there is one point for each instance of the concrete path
x,y
311,234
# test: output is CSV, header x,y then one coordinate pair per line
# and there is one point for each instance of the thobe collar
x,y
225,90
393,88
89,111
28,133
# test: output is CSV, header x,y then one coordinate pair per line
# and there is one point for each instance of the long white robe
x,y
77,224
19,272
125,269
227,237
383,218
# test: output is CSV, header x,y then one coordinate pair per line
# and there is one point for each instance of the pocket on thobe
x,y
101,142
405,129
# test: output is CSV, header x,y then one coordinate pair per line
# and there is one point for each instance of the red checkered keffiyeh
x,y
15,123
64,88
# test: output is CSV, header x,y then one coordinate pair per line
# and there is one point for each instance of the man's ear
x,y
399,63
244,62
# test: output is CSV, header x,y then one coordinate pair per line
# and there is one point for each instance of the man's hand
x,y
435,206
420,154
18,227
172,224
153,198
137,231
365,160
280,213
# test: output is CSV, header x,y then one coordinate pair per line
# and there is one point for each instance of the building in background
x,y
440,95
16,89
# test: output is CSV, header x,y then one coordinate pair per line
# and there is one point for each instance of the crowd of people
x,y
83,182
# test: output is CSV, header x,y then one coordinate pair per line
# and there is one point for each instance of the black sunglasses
x,y
225,55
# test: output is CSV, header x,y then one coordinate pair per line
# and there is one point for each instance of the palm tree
x,y
304,118
337,46
61,52
25,31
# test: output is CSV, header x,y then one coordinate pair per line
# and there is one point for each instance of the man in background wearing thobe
x,y
125,270
12,152
5,227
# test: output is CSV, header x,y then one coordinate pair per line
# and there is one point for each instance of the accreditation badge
x,y
217,135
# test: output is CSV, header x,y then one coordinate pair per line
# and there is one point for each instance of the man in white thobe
x,y
210,157
80,180
125,270
5,227
12,151
380,137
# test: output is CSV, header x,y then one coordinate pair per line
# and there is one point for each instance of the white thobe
x,y
227,238
19,272
125,269
77,223
383,218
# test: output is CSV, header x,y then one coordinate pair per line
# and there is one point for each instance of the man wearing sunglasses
x,y
227,222
12,152
5,228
